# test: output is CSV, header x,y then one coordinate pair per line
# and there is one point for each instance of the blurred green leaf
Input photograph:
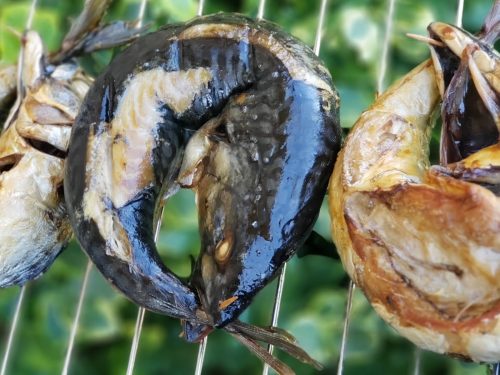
x,y
175,10
14,16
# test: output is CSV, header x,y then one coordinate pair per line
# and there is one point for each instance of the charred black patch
x,y
9,162
469,124
6,167
46,148
60,192
106,113
494,188
5,107
171,138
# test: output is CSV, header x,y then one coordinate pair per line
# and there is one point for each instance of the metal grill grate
x,y
322,11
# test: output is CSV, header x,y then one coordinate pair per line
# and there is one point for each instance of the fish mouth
x,y
195,332
204,323
453,37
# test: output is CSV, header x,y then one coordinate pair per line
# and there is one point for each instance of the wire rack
x,y
96,324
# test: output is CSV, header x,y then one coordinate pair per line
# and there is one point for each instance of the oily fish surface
x,y
423,247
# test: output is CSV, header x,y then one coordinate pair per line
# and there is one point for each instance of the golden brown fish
x,y
423,241
34,227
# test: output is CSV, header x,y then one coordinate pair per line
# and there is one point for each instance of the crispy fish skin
x,y
35,227
423,246
35,138
400,149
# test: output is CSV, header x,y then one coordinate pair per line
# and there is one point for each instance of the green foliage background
x,y
315,291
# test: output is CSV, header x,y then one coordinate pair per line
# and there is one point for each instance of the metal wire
x,y
319,29
385,47
31,14
140,317
135,341
418,356
20,63
276,311
493,369
260,12
380,87
74,327
345,331
418,351
83,290
460,13
201,5
282,277
142,311
20,299
142,11
12,332
200,359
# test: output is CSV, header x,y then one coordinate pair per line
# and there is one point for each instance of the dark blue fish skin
x,y
270,210
278,136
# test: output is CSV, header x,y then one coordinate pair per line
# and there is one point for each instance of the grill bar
x,y
140,317
418,357
282,277
142,311
345,331
260,13
135,341
380,88
200,358
20,298
201,5
142,11
319,29
385,47
74,327
276,311
139,323
12,332
460,13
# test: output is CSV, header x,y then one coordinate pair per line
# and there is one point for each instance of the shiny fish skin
x,y
234,109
